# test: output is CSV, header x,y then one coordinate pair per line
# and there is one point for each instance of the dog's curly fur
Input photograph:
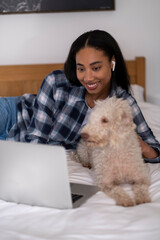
x,y
110,145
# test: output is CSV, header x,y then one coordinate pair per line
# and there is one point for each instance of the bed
x,y
99,217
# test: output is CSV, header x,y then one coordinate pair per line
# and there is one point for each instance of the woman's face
x,y
93,70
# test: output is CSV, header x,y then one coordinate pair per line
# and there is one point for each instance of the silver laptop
x,y
37,174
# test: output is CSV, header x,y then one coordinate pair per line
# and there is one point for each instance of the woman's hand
x,y
147,151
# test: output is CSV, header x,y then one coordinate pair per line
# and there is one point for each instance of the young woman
x,y
95,69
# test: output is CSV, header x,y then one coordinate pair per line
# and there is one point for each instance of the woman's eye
x,y
80,69
96,68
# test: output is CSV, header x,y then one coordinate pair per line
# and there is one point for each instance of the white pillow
x,y
137,92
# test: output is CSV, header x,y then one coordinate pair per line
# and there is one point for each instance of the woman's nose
x,y
88,76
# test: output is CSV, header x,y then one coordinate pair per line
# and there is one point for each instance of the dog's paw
x,y
141,200
141,193
125,202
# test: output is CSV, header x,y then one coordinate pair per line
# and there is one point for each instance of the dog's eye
x,y
104,120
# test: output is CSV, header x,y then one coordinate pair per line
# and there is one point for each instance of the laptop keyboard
x,y
75,197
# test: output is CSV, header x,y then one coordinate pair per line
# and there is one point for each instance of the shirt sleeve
x,y
42,119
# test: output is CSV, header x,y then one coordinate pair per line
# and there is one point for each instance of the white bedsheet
x,y
98,218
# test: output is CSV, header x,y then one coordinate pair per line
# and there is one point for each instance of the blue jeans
x,y
8,115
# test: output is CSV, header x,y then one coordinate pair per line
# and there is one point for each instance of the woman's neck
x,y
90,99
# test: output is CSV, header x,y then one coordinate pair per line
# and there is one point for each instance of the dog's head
x,y
110,121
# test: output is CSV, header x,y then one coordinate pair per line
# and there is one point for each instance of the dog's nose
x,y
85,136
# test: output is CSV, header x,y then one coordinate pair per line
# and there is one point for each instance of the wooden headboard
x,y
16,80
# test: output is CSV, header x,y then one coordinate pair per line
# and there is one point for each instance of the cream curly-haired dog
x,y
110,145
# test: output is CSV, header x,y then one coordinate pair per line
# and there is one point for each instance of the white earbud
x,y
114,65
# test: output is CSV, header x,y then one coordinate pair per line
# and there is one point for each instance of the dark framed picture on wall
x,y
32,6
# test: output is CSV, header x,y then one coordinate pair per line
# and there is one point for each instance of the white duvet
x,y
98,218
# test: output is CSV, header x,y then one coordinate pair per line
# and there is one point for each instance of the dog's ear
x,y
127,121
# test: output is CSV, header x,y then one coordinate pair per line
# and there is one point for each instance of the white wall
x,y
46,38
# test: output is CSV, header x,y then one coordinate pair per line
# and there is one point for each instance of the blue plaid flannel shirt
x,y
55,115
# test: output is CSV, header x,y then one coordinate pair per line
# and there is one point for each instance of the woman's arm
x,y
147,151
149,144
42,118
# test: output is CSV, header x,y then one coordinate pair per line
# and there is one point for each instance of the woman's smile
x,y
92,86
